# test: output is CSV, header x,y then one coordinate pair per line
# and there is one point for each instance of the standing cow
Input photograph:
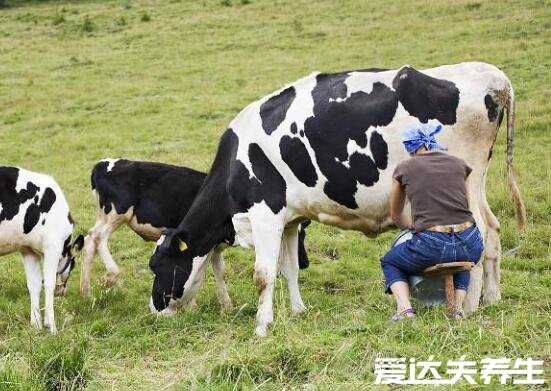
x,y
324,148
149,197
35,221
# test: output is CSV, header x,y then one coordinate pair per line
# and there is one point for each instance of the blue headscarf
x,y
422,135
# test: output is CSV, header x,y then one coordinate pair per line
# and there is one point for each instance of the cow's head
x,y
67,263
172,266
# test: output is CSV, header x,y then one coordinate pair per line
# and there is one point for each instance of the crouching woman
x,y
443,227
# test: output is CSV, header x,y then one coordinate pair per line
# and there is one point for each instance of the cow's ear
x,y
78,243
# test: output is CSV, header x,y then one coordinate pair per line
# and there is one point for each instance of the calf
x,y
325,148
35,221
148,197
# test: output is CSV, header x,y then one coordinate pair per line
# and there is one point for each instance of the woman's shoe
x,y
456,314
407,313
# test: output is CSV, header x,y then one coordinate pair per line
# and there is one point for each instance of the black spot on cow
x,y
66,246
11,199
294,128
364,169
274,110
301,133
32,215
295,155
426,97
491,107
31,218
272,186
48,199
379,150
335,123
331,86
36,199
43,221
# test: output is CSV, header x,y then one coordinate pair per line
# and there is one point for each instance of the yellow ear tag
x,y
183,245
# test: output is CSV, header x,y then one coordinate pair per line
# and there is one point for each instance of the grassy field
x,y
160,80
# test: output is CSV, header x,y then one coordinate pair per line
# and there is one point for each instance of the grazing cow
x,y
324,148
148,197
35,221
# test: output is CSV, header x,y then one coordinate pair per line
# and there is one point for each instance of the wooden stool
x,y
447,270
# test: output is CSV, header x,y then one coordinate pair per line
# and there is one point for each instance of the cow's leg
x,y
219,268
290,268
492,255
474,292
52,254
31,263
267,231
88,252
112,222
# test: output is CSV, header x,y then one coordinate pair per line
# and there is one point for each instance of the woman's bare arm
x,y
397,201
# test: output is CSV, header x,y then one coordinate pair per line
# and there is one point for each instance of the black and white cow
x,y
35,221
149,197
324,148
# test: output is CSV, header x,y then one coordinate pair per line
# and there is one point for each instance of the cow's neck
x,y
208,222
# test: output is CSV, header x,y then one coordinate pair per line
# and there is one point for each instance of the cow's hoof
x,y
470,306
491,297
298,310
59,291
36,323
50,325
110,280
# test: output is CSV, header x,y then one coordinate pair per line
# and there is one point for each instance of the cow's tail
x,y
520,210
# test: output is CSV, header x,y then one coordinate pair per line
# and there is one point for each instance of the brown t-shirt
x,y
435,186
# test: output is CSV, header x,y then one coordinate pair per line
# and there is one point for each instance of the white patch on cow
x,y
243,230
161,240
338,100
363,81
191,287
353,146
111,163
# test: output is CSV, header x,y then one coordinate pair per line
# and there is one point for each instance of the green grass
x,y
83,80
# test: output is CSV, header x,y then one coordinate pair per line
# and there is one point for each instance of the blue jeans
x,y
428,248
